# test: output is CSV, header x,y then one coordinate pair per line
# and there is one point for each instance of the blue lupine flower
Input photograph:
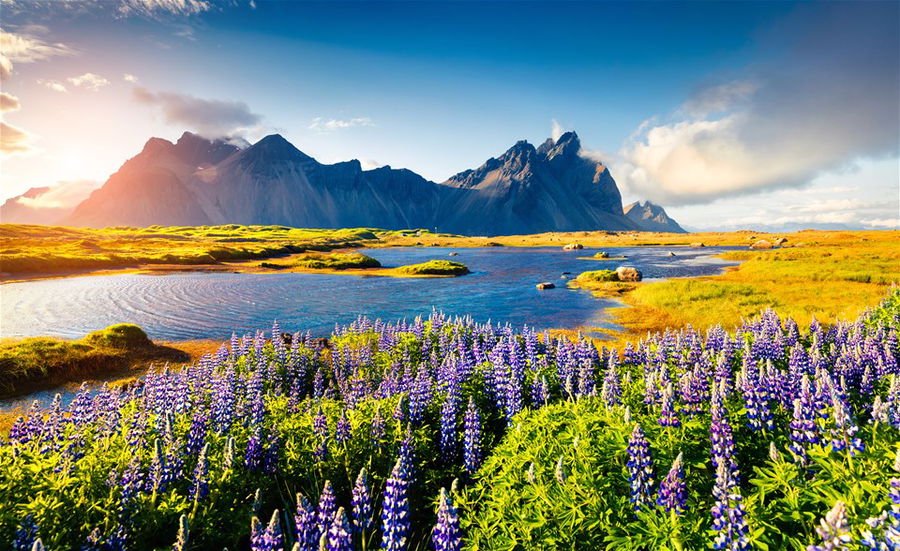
x,y
672,489
640,468
728,513
307,531
446,535
834,530
472,439
339,537
362,503
395,511
327,508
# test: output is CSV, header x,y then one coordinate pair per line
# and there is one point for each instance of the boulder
x,y
573,247
671,253
627,273
602,254
697,244
545,285
762,244
454,254
781,241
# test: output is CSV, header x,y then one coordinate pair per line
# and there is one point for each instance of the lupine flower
x,y
446,535
320,431
395,511
834,530
268,538
200,485
362,503
728,513
327,508
672,489
472,439
804,430
448,429
560,472
640,468
307,531
339,537
343,429
667,416
26,534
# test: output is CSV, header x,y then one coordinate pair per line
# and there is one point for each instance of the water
x,y
199,305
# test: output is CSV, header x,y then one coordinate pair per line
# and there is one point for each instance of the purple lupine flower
x,y
320,432
395,511
728,513
338,537
26,534
640,468
268,538
378,428
472,439
672,489
845,429
253,456
200,485
307,532
327,508
834,530
667,416
448,429
804,430
611,391
343,429
446,535
362,503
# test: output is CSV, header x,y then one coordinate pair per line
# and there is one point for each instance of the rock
x,y
573,247
671,253
762,244
627,273
602,254
567,273
545,285
563,277
697,244
454,254
781,241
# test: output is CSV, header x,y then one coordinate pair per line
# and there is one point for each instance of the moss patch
x,y
435,267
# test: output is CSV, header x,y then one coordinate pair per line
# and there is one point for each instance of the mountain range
x,y
196,181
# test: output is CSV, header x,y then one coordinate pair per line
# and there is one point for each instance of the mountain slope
x,y
651,217
195,181
528,190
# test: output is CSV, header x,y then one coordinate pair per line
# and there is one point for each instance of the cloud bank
x,y
14,140
321,124
26,47
209,118
9,102
827,97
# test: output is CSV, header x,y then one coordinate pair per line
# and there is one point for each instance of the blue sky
x,y
726,113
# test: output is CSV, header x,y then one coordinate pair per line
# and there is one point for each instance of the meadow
x,y
448,434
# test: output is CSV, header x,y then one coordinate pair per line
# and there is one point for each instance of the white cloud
x,y
321,124
89,81
153,8
9,102
127,77
209,118
25,47
14,140
889,223
828,98
556,129
54,85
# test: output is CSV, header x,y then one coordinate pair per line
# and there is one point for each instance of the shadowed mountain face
x,y
198,182
652,217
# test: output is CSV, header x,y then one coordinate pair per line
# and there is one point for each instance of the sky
x,y
762,115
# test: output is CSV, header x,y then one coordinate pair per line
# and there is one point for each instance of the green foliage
x,y
598,275
435,267
326,262
121,335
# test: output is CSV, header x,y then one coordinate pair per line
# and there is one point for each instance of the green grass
x,y
597,275
29,364
29,249
435,267
326,262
